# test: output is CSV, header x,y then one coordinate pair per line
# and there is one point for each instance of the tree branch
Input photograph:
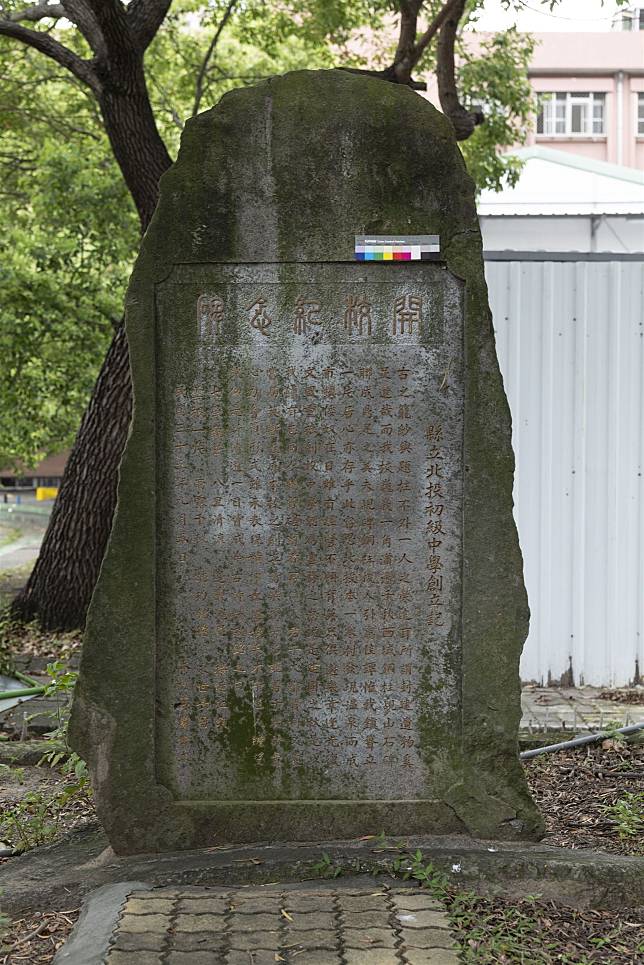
x,y
201,75
463,121
42,42
409,10
37,11
79,13
146,16
434,27
112,20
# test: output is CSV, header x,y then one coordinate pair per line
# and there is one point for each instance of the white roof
x,y
558,183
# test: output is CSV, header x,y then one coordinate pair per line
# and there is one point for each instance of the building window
x,y
640,114
570,114
633,19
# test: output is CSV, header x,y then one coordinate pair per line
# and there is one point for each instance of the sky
x,y
579,15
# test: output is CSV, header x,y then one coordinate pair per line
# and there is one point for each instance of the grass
x,y
527,931
8,535
13,580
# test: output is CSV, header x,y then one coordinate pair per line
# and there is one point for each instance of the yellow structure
x,y
46,492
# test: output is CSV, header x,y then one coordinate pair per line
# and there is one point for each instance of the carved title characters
x,y
259,317
305,314
210,315
357,315
408,310
357,319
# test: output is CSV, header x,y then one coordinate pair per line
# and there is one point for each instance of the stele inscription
x,y
309,529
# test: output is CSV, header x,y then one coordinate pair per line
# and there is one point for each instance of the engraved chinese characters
x,y
309,618
314,499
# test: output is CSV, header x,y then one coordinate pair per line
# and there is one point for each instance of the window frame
x,y
639,114
588,100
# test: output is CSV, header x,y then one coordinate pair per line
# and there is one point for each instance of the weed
x,y
15,772
7,634
32,821
513,935
35,820
61,687
326,868
627,814
414,867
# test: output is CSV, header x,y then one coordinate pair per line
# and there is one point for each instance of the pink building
x,y
591,88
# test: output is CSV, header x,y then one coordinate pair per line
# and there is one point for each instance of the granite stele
x,y
309,619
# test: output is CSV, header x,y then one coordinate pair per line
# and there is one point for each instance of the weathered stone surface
x,y
310,616
67,870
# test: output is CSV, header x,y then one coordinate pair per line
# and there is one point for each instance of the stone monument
x,y
310,615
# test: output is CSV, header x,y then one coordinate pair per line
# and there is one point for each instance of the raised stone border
x,y
80,863
347,922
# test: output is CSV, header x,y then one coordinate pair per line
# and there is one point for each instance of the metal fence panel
x,y
570,339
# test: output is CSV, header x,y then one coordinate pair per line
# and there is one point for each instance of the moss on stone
x,y
290,171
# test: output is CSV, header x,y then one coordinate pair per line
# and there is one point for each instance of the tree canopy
x,y
68,228
93,99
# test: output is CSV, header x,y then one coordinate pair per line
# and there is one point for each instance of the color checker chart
x,y
397,248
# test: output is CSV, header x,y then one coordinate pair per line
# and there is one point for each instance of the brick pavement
x,y
311,925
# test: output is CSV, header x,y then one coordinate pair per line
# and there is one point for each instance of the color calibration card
x,y
397,247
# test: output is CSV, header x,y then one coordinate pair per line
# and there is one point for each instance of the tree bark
x,y
60,587
134,137
61,584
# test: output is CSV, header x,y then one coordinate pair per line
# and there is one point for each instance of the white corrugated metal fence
x,y
570,339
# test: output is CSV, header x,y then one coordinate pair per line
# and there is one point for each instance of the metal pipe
x,y
27,692
619,124
580,741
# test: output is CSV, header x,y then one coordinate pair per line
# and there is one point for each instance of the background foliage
x,y
68,229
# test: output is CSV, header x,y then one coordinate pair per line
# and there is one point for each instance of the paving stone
x,y
371,956
303,903
264,892
243,941
323,956
367,919
423,918
427,938
415,902
184,941
244,923
431,956
202,891
159,893
261,957
382,937
212,923
361,892
198,906
319,938
144,923
355,903
314,891
149,906
253,906
304,921
132,942
189,958
116,957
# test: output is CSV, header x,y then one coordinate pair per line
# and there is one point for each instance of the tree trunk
x,y
61,584
134,137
